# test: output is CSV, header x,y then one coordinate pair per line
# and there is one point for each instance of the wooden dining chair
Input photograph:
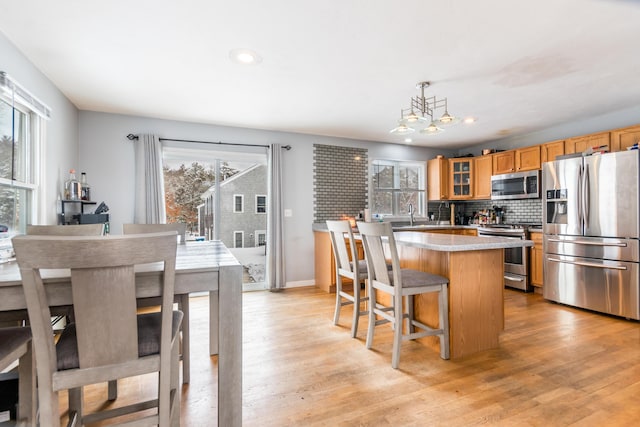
x,y
349,266
108,339
15,344
400,284
182,300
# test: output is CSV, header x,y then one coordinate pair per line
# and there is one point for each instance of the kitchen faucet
x,y
410,214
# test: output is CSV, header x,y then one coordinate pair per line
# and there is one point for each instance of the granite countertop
x,y
456,243
321,226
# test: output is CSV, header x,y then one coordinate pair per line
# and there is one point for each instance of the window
x,y
21,124
238,203
395,185
261,204
238,239
261,238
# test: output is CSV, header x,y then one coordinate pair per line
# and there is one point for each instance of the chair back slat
x,y
179,227
342,253
105,296
374,237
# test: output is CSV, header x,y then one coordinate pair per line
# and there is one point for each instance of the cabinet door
x,y
528,159
581,144
482,169
504,162
460,179
537,258
551,150
621,139
438,179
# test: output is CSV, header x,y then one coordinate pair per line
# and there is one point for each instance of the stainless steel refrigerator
x,y
591,232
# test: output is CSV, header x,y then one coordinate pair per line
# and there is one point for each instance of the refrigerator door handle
x,y
579,201
582,242
589,264
585,194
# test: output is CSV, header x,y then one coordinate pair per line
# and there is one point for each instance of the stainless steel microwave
x,y
519,185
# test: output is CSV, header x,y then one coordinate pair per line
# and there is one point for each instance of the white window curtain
x,y
275,228
149,196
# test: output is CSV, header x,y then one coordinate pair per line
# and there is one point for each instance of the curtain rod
x,y
132,137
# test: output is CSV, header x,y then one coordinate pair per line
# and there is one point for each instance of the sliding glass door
x,y
221,195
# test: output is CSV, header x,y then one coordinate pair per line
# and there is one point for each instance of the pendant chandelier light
x,y
420,115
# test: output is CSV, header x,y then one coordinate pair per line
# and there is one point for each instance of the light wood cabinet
x,y
535,266
438,179
504,162
550,150
528,159
621,139
482,170
580,144
460,178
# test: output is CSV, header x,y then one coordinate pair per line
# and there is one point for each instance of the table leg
x,y
230,346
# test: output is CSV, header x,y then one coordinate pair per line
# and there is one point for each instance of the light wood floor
x,y
555,366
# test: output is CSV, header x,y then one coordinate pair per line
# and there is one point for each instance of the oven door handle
x,y
513,278
589,264
586,243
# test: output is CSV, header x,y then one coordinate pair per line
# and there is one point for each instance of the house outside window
x,y
395,185
238,203
238,239
261,204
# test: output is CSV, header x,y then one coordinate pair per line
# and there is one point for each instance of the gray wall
x,y
61,133
107,157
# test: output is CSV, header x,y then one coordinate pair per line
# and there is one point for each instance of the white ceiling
x,y
338,67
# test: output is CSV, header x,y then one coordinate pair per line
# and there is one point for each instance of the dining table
x,y
201,267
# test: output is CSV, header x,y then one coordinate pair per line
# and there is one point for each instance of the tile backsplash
x,y
526,210
340,182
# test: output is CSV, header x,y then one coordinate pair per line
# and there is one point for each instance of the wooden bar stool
x,y
347,266
400,284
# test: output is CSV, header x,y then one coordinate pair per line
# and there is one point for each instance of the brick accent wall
x,y
340,182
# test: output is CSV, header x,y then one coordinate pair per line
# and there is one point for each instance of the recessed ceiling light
x,y
244,56
469,120
408,140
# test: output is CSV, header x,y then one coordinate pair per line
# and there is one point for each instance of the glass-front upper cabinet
x,y
461,178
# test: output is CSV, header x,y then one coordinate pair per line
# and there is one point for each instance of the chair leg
x,y
443,314
398,314
336,314
410,326
27,396
356,309
186,344
175,387
112,390
76,405
372,315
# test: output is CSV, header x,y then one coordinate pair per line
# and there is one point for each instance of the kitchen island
x,y
475,269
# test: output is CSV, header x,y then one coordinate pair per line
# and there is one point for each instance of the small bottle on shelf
x,y
72,189
85,187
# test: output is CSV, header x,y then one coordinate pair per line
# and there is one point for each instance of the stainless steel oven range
x,y
516,260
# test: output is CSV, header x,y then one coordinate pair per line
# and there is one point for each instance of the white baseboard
x,y
300,284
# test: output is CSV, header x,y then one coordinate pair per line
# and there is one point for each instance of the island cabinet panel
x,y
325,262
476,296
621,139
